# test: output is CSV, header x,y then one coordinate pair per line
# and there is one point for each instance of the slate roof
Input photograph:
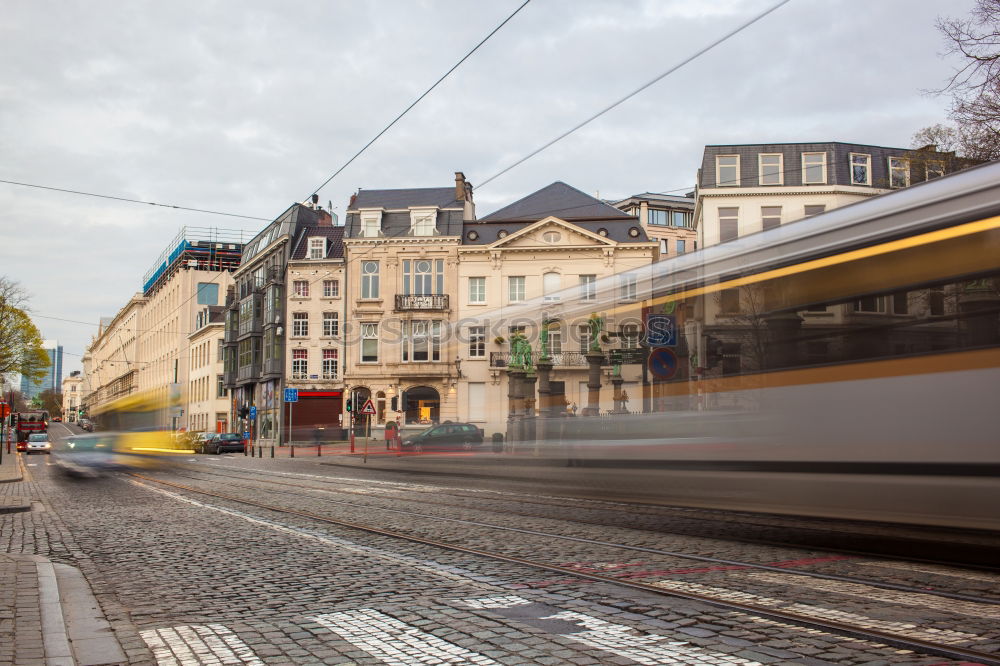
x,y
442,197
450,214
559,200
334,248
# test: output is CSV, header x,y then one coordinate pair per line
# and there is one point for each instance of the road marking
x,y
198,644
934,569
618,639
888,596
394,642
901,628
454,574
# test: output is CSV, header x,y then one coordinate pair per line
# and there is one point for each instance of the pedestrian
x,y
572,409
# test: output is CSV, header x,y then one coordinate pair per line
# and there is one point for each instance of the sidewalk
x,y
48,614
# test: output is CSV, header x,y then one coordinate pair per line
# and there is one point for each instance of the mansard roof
x,y
559,200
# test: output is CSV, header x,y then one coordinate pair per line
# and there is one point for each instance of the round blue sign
x,y
663,363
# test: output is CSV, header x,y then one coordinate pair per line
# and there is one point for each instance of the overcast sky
x,y
245,107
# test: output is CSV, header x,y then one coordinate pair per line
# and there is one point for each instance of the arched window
x,y
422,405
551,284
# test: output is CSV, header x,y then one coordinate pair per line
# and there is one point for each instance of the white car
x,y
39,443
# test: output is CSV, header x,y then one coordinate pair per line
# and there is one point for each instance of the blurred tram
x,y
846,365
132,431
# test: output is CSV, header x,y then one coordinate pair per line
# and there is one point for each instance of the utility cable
x,y
138,201
697,54
417,101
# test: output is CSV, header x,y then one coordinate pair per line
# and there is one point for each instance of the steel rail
x,y
828,626
643,549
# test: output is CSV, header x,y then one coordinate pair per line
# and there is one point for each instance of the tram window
x,y
729,301
900,303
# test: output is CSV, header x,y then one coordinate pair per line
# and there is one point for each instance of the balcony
x,y
275,275
248,372
231,334
573,359
421,303
274,366
229,378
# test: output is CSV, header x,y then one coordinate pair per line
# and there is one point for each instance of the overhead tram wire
x,y
126,199
418,100
694,56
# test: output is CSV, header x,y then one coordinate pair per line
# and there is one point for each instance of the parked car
x,y
38,443
445,437
201,440
87,425
227,442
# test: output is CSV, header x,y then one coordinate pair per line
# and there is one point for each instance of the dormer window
x,y
422,222
371,224
317,247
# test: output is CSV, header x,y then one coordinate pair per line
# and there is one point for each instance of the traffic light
x,y
349,405
713,351
244,412
395,403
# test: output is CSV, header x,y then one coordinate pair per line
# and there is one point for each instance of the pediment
x,y
569,235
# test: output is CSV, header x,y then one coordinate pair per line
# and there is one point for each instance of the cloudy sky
x,y
245,107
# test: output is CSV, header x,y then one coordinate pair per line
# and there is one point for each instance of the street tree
x,y
20,341
51,401
974,87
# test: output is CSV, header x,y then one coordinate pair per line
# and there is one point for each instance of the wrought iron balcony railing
x,y
421,302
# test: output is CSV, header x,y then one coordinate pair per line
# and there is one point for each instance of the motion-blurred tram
x,y
846,365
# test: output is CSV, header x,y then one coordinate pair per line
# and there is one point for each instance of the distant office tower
x,y
53,374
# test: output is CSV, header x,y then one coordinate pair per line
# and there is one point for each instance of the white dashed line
x,y
906,629
888,597
618,639
198,644
394,642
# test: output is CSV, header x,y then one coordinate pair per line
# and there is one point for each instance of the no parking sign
x,y
663,363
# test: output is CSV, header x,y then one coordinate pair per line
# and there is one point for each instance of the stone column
x,y
783,347
514,378
528,420
617,382
546,409
977,310
594,361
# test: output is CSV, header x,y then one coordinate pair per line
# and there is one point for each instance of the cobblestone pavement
x,y
186,578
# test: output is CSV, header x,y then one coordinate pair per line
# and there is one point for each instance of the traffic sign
x,y
663,363
291,395
369,408
661,330
253,412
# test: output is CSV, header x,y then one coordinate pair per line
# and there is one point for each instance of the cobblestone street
x,y
184,575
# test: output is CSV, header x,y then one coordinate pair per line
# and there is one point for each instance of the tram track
x,y
719,561
878,540
960,653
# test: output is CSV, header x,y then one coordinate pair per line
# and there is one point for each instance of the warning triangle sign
x,y
369,408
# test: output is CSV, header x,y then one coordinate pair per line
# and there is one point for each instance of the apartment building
x,y
315,340
207,398
557,255
72,393
666,219
110,364
744,189
193,272
256,323
401,251
747,189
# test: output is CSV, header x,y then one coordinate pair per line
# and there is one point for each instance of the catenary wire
x,y
422,96
694,56
126,199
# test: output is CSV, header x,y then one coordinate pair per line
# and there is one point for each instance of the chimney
x,y
323,218
314,199
459,186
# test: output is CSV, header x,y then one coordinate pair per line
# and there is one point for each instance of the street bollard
x,y
318,448
292,448
272,450
244,450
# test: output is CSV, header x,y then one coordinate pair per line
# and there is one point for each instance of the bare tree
x,y
975,85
